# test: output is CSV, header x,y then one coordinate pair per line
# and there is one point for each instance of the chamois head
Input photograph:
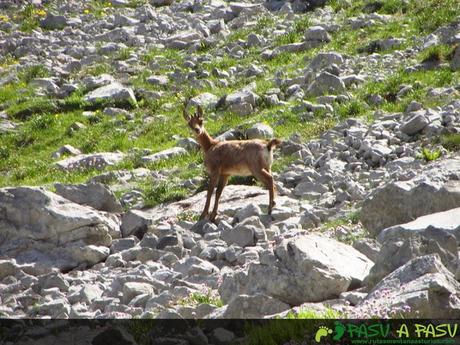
x,y
195,121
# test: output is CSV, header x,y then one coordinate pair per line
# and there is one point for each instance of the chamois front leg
x,y
267,179
212,183
223,179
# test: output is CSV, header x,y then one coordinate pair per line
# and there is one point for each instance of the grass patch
x,y
431,14
29,17
429,155
97,69
164,58
124,54
394,7
351,41
137,3
27,108
206,297
352,108
421,82
8,60
296,33
351,219
27,74
291,330
184,216
156,193
97,8
312,314
451,142
263,23
438,53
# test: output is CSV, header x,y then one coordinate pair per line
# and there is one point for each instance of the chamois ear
x,y
199,111
186,116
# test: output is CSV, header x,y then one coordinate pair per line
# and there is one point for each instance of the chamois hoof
x,y
212,218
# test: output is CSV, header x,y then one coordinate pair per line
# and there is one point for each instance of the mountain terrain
x,y
102,182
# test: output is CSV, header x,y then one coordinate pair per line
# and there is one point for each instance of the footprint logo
x,y
322,332
339,330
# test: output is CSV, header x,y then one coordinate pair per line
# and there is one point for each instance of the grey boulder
x,y
422,288
404,246
307,268
95,195
326,83
252,307
165,154
112,93
455,63
414,124
53,22
323,60
97,161
435,189
44,228
448,221
260,131
205,100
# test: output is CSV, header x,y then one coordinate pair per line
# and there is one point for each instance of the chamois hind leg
x,y
267,179
212,183
223,179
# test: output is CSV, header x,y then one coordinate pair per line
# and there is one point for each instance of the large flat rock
x,y
233,198
308,268
448,221
404,246
41,227
97,161
114,93
422,288
434,190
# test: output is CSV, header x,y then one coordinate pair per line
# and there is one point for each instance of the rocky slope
x,y
367,217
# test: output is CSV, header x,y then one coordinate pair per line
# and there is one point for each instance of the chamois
x,y
223,159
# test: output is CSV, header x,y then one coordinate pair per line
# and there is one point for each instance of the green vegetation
x,y
313,314
431,14
420,81
438,53
124,54
29,17
425,16
429,155
162,192
184,216
352,108
97,8
46,122
29,73
296,33
197,298
32,106
394,6
451,142
349,219
292,329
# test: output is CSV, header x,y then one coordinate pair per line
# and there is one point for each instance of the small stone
x,y
317,33
260,131
414,125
